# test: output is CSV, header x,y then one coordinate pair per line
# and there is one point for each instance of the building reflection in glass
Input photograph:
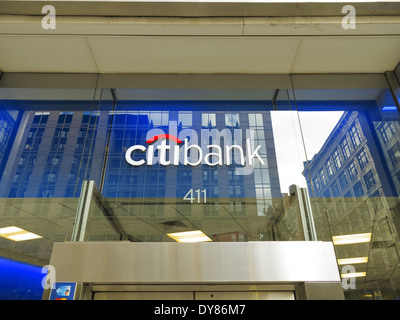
x,y
354,185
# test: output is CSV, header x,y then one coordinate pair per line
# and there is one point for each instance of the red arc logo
x,y
166,136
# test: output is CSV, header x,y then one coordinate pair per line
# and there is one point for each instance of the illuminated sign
x,y
188,148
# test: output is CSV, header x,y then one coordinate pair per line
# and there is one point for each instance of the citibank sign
x,y
211,147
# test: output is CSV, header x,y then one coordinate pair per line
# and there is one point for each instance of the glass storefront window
x,y
291,164
361,195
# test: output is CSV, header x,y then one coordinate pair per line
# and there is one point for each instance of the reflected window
x,y
51,177
4,131
343,181
16,178
159,118
232,120
355,135
185,119
369,179
323,177
208,120
61,133
12,194
54,161
40,117
65,117
337,160
335,189
345,148
71,176
88,117
31,133
362,159
316,184
352,169
21,161
46,192
256,120
387,131
358,190
394,154
329,168
58,146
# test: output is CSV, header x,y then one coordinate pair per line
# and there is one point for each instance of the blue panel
x,y
20,281
63,291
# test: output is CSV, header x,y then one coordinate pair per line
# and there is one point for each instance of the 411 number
x,y
197,194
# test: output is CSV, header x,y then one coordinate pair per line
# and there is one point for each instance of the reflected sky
x,y
290,130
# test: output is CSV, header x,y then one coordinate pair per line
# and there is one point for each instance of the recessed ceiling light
x,y
8,230
353,275
352,238
24,236
17,234
353,260
189,236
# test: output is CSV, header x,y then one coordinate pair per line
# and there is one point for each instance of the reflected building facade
x,y
54,155
9,121
351,163
353,183
57,150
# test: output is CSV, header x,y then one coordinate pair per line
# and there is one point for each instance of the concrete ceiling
x,y
200,8
253,45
